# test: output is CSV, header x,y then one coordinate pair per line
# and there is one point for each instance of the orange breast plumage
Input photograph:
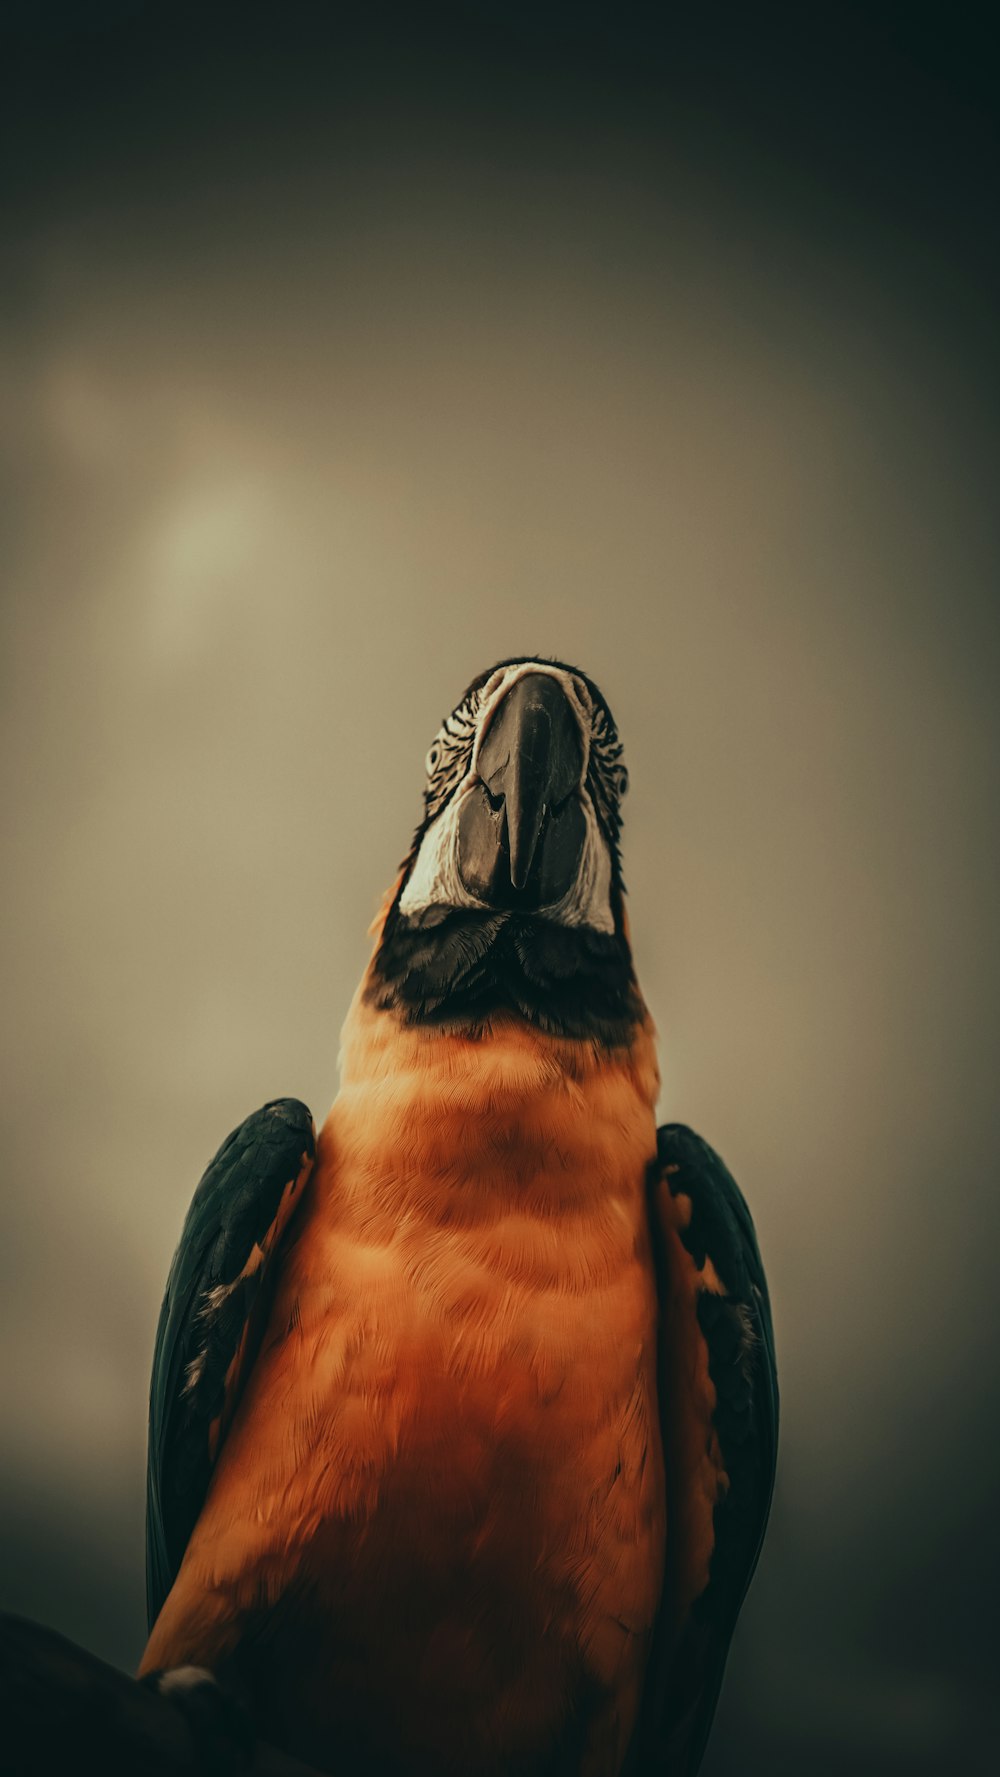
x,y
442,1495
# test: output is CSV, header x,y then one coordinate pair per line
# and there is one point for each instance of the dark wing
x,y
719,1420
218,1294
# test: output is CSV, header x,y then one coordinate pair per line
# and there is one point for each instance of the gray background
x,y
340,360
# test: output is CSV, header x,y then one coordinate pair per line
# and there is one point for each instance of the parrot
x,y
464,1412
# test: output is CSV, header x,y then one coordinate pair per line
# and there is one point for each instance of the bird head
x,y
511,895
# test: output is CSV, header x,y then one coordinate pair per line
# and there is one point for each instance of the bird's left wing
x,y
213,1316
719,1420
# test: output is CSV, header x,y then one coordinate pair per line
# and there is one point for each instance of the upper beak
x,y
520,839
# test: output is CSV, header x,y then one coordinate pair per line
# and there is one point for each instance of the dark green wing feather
x,y
730,1331
212,1318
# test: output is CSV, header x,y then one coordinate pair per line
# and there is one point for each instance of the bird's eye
x,y
433,759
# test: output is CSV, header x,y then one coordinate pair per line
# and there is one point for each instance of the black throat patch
x,y
458,966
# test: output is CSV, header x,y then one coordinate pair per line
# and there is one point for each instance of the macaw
x,y
463,1416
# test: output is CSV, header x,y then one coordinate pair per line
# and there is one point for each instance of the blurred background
x,y
345,350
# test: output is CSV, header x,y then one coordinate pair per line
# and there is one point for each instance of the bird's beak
x,y
522,830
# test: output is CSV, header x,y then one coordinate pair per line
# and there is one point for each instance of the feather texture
x,y
719,1396
212,1317
435,1533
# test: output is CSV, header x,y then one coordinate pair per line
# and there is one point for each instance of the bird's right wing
x,y
213,1316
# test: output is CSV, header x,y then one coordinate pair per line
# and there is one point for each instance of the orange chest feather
x,y
475,1259
457,1397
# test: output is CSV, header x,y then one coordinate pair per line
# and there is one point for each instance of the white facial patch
x,y
436,881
